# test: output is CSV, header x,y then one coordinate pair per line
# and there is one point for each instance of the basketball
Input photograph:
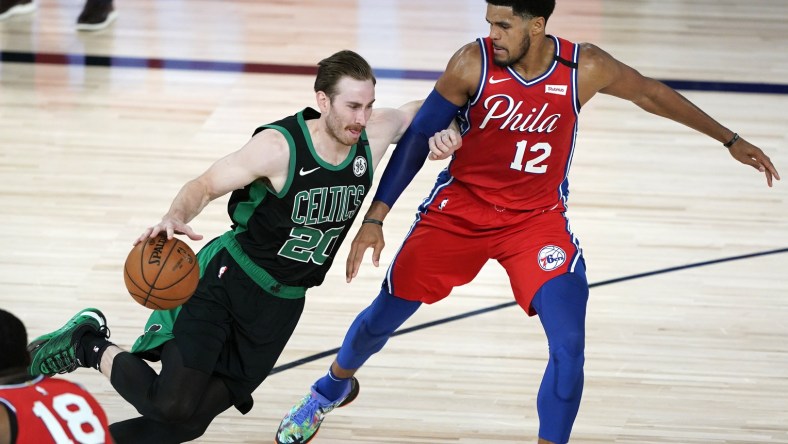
x,y
161,274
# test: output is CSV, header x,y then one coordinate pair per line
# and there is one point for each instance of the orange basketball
x,y
161,274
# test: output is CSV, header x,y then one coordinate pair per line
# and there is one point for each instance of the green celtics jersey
x,y
294,234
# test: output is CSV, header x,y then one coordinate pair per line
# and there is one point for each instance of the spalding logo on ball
x,y
161,273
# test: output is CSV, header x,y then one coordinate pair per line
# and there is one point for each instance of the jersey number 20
x,y
310,244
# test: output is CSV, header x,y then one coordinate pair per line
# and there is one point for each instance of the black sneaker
x,y
96,15
9,8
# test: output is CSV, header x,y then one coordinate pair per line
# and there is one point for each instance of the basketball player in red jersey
x,y
518,93
40,409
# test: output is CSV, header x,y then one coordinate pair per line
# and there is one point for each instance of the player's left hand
x,y
368,236
444,143
751,155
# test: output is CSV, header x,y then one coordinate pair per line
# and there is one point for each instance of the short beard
x,y
336,131
512,60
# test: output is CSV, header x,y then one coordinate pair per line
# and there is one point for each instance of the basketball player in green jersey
x,y
296,186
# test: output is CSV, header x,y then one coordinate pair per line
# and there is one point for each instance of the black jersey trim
x,y
308,137
244,211
292,162
368,152
259,189
566,62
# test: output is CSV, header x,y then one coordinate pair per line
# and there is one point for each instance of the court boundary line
x,y
275,68
333,351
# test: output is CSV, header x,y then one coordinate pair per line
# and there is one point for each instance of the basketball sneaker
x,y
9,8
96,15
301,424
61,350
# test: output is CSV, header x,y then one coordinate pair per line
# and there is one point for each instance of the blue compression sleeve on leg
x,y
373,327
435,114
561,305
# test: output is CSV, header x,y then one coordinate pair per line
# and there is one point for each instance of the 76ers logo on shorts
x,y
359,166
551,257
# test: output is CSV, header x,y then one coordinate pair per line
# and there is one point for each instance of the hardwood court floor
x,y
91,155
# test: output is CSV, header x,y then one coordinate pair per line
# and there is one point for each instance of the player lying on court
x,y
519,92
297,186
36,409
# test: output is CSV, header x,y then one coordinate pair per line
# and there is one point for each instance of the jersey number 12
x,y
533,165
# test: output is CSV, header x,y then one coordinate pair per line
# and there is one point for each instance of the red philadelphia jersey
x,y
518,134
49,410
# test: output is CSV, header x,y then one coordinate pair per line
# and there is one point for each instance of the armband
x,y
733,140
372,221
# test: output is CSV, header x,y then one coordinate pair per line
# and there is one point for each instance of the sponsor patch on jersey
x,y
551,257
359,166
555,89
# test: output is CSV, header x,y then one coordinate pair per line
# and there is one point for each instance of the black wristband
x,y
372,221
733,140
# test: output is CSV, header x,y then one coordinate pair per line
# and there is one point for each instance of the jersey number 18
x,y
75,411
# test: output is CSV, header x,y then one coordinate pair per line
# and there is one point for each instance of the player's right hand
x,y
169,226
369,235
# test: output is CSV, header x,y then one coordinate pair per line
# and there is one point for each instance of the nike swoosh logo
x,y
494,81
304,173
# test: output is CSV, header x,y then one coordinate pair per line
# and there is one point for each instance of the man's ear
x,y
323,102
537,26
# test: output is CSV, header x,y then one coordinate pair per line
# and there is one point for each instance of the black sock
x,y
91,348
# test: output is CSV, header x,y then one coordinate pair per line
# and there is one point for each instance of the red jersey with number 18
x,y
518,134
49,410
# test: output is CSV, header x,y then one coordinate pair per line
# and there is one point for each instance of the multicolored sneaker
x,y
301,424
60,351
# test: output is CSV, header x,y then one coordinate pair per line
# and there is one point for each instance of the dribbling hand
x,y
171,227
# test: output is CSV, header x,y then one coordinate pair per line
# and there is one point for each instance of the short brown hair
x,y
343,63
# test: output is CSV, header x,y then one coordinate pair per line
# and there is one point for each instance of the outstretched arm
x,y
265,155
600,72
